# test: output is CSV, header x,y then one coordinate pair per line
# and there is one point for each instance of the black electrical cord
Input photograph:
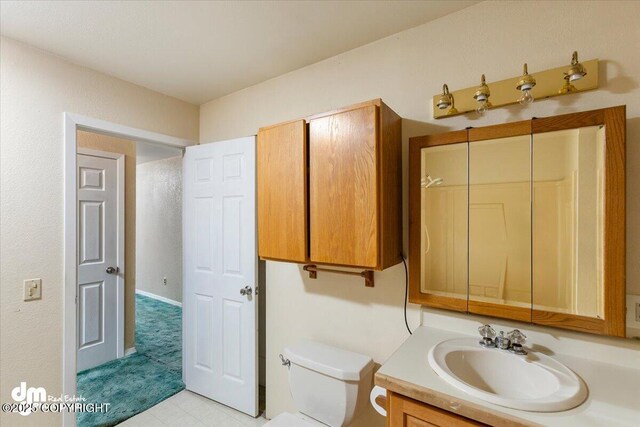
x,y
406,292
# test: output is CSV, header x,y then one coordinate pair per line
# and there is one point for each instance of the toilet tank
x,y
328,384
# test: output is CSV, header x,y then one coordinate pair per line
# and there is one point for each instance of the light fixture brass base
x,y
549,83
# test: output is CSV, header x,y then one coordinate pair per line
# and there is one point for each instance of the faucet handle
x,y
517,337
486,331
517,340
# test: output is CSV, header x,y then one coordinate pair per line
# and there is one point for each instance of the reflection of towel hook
x,y
285,362
428,181
425,183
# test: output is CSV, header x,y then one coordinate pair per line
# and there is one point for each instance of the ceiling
x,y
200,50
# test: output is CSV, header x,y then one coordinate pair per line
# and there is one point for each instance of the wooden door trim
x,y
615,221
453,137
522,314
573,322
505,130
568,121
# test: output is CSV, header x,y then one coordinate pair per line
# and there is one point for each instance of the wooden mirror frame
x,y
614,120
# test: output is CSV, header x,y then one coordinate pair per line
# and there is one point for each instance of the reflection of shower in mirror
x,y
425,183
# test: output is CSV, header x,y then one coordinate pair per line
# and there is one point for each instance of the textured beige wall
x,y
128,148
159,227
35,89
406,70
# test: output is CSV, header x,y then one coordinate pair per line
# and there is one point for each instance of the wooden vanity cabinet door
x,y
406,412
282,192
343,188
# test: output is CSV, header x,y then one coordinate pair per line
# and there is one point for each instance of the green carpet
x,y
137,382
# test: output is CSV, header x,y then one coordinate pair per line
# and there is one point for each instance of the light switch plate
x,y
32,289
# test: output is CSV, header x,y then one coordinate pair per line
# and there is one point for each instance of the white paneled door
x,y
97,293
220,273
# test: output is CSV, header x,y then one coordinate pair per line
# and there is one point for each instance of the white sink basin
x,y
534,382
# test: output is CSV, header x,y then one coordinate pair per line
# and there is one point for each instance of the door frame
x,y
120,260
71,123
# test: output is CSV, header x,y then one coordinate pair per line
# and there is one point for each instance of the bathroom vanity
x,y
418,396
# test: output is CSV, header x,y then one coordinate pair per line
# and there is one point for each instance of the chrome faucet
x,y
488,334
503,342
512,342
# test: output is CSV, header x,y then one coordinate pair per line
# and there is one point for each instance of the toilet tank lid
x,y
335,362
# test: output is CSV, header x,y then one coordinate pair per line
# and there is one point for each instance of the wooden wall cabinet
x,y
329,188
406,412
282,192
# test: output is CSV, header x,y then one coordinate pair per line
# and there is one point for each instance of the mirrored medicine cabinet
x,y
523,221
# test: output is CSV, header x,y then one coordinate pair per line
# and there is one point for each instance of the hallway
x,y
139,381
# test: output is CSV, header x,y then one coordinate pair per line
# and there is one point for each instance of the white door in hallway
x,y
220,354
98,287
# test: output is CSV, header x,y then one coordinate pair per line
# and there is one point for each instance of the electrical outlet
x,y
32,289
164,281
638,312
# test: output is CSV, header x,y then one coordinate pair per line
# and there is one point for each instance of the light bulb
x,y
443,104
526,98
482,108
575,76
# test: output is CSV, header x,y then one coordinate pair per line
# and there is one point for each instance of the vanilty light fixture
x,y
547,83
482,97
525,84
446,100
576,71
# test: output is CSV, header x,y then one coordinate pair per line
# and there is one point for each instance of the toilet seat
x,y
287,419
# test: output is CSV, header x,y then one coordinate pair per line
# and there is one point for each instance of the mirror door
x,y
500,226
578,214
438,202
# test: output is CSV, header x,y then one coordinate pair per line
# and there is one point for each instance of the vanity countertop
x,y
614,399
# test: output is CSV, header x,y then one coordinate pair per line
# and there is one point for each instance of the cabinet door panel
x,y
282,192
406,412
343,188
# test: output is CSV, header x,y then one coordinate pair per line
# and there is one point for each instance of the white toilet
x,y
329,385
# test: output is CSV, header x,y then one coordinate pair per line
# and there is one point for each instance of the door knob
x,y
111,270
246,291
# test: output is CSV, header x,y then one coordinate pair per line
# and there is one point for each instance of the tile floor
x,y
187,409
